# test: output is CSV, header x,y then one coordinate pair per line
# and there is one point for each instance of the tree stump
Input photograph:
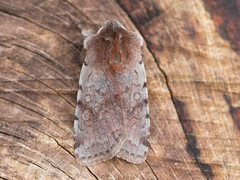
x,y
192,60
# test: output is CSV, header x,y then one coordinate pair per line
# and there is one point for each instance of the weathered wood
x,y
193,72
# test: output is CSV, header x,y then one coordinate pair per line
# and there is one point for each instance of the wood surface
x,y
192,61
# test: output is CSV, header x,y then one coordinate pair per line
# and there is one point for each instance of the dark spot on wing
x,y
79,102
80,87
136,72
126,89
145,142
78,141
145,101
147,115
144,85
90,74
98,91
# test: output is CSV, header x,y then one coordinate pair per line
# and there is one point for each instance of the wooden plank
x,y
192,71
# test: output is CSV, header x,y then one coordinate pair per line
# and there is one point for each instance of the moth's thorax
x,y
113,47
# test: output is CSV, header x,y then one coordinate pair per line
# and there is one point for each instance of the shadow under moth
x,y
112,114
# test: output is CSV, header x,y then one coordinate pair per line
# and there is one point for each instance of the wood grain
x,y
193,73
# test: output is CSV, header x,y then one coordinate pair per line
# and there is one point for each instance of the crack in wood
x,y
91,172
55,141
59,169
151,169
33,112
78,10
198,162
7,134
117,168
41,55
41,26
150,147
63,147
44,85
65,150
18,160
36,164
34,52
3,178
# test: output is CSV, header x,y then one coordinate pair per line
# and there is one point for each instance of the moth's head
x,y
111,26
114,31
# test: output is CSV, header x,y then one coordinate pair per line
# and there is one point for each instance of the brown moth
x,y
112,114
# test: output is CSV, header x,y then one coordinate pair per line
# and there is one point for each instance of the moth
x,y
112,114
